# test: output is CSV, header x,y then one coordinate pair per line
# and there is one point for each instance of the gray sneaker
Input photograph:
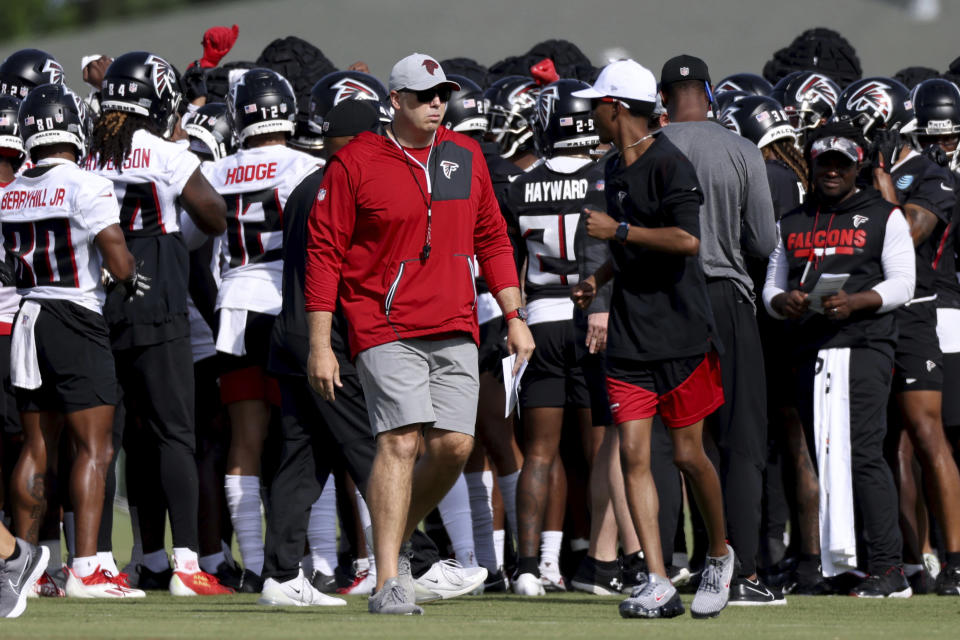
x,y
17,577
714,589
655,598
392,599
404,574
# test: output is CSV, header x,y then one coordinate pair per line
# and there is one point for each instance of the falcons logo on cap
x,y
430,65
873,96
163,78
548,98
817,87
53,70
350,89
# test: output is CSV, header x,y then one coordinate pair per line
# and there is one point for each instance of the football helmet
x,y
464,111
53,114
334,88
509,104
749,82
10,125
808,98
262,101
27,68
209,131
722,100
145,84
936,103
759,119
875,103
563,121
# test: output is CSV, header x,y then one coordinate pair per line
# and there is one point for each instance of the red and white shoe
x,y
188,581
46,587
362,585
99,584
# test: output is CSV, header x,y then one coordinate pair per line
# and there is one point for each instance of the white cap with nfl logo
x,y
417,72
625,79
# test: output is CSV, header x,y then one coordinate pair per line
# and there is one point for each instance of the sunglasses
x,y
426,96
606,99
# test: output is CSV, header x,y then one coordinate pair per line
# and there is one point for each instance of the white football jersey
x,y
255,183
49,223
149,185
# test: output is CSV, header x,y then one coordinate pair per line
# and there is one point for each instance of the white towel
x,y
831,428
231,332
24,367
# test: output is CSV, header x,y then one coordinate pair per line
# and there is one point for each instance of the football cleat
x,y
99,584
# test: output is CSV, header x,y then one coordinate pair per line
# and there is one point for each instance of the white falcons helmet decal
x,y
53,70
522,97
350,89
727,119
817,87
728,85
548,98
874,96
164,82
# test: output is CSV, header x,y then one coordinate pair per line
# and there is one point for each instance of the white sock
x,y
156,561
70,533
550,542
56,554
212,562
455,513
243,500
911,569
107,562
508,490
480,486
322,529
84,567
498,538
185,560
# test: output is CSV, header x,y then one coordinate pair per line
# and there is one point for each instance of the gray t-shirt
x,y
737,212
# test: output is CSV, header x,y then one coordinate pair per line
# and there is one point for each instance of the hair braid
x,y
113,137
786,152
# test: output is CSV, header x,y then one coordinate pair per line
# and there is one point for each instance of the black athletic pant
x,y
874,491
158,388
315,434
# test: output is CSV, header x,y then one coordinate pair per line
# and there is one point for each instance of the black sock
x,y
529,565
809,565
953,558
16,552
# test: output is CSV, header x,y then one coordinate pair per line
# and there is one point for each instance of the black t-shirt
x,y
290,340
501,172
660,309
948,288
785,189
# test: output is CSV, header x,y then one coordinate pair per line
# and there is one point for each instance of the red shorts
x,y
682,391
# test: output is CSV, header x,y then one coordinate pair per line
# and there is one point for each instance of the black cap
x,y
350,118
682,68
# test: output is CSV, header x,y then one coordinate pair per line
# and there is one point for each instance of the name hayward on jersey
x,y
49,218
255,183
149,183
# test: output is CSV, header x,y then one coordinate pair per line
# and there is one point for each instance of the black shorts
x,y
918,362
76,364
554,377
493,346
9,416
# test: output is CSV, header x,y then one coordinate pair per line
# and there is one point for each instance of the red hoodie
x,y
367,231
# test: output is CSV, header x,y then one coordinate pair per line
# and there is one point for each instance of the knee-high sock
x,y
455,512
550,542
508,489
243,500
322,529
480,486
498,539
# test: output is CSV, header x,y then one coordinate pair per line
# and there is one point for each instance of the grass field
x,y
492,617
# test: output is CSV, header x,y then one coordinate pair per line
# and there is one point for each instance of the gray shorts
x,y
418,381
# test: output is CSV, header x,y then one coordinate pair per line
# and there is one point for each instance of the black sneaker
x,y
496,582
229,575
802,585
600,581
154,580
250,583
323,583
921,582
745,592
889,584
948,582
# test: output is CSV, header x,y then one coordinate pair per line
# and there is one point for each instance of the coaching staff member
x,y
395,227
736,218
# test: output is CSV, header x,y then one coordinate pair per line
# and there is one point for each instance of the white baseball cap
x,y
417,72
624,79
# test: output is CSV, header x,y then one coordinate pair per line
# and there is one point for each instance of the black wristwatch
x,y
622,230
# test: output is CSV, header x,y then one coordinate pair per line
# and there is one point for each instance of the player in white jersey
x,y
60,227
256,182
153,179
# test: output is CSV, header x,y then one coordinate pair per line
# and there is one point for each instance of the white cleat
x,y
527,584
297,592
99,584
448,579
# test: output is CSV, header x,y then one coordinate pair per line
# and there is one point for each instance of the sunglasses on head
x,y
426,96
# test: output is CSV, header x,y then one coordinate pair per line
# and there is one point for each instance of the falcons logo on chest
x,y
448,168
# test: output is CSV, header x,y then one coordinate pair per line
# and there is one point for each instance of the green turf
x,y
491,617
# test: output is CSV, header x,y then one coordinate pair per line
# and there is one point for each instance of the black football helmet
x,y
465,111
936,103
749,82
722,100
510,103
209,131
10,124
759,119
261,101
145,84
808,98
334,88
27,68
875,103
53,114
563,121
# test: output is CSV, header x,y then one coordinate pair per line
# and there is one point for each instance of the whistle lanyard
x,y
428,196
811,257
